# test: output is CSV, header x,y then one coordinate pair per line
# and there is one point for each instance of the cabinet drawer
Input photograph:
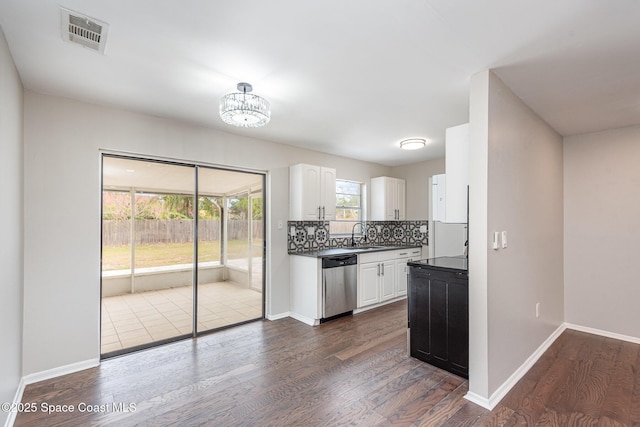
x,y
372,257
413,253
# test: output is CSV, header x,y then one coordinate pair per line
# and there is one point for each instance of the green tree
x,y
237,207
209,207
177,206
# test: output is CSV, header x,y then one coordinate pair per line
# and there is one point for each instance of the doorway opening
x,y
183,251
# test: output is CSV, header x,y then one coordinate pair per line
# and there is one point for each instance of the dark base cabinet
x,y
439,318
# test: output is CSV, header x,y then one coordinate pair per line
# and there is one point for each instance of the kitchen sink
x,y
370,248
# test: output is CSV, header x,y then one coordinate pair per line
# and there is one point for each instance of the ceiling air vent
x,y
82,30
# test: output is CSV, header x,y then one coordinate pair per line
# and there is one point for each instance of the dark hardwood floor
x,y
351,371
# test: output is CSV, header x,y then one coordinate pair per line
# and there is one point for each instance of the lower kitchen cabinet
x,y
439,318
369,284
388,280
382,276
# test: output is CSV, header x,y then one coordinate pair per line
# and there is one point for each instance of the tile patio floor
x,y
134,319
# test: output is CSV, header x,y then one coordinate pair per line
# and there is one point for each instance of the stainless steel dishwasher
x,y
339,286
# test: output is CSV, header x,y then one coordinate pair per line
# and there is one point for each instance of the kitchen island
x,y
439,313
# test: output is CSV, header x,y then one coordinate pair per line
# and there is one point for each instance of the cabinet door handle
x,y
382,269
323,213
378,266
318,213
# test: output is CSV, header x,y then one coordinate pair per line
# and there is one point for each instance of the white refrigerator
x,y
447,239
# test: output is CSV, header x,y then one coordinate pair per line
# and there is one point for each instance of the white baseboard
x,y
478,400
46,375
59,371
600,332
304,319
380,304
278,316
501,392
11,418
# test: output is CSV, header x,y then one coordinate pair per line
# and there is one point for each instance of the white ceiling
x,y
350,78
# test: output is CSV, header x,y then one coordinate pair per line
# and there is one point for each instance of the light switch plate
x,y
504,239
496,240
423,228
310,231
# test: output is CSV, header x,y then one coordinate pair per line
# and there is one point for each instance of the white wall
x,y
63,139
602,230
524,188
478,247
417,179
11,250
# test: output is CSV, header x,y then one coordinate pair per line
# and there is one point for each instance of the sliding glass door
x,y
226,293
151,213
147,253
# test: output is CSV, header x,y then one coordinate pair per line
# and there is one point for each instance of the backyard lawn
x,y
118,257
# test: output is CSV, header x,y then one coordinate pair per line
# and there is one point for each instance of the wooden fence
x,y
152,231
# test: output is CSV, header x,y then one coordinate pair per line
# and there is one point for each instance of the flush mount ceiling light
x,y
413,143
244,109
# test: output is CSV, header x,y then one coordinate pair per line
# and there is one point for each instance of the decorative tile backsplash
x,y
387,233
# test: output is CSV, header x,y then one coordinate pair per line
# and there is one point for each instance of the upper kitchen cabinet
x,y
312,193
387,199
457,173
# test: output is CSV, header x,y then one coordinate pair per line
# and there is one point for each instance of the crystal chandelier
x,y
244,109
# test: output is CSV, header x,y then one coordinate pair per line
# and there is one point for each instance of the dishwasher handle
x,y
339,261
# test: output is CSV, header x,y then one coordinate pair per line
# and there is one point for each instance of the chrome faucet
x,y
363,228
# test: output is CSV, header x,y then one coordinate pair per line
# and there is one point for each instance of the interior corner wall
x,y
602,230
11,218
525,199
417,177
63,139
478,235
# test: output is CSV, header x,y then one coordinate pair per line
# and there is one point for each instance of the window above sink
x,y
349,208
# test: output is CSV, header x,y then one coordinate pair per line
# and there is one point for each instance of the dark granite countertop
x,y
442,263
348,251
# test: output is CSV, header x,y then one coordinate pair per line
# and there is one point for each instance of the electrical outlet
x,y
537,309
280,224
311,231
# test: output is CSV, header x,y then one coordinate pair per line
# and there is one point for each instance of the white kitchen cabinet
x,y
379,277
457,173
388,279
404,256
306,292
312,193
388,197
368,284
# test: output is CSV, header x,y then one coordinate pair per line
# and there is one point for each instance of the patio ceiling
x,y
123,174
